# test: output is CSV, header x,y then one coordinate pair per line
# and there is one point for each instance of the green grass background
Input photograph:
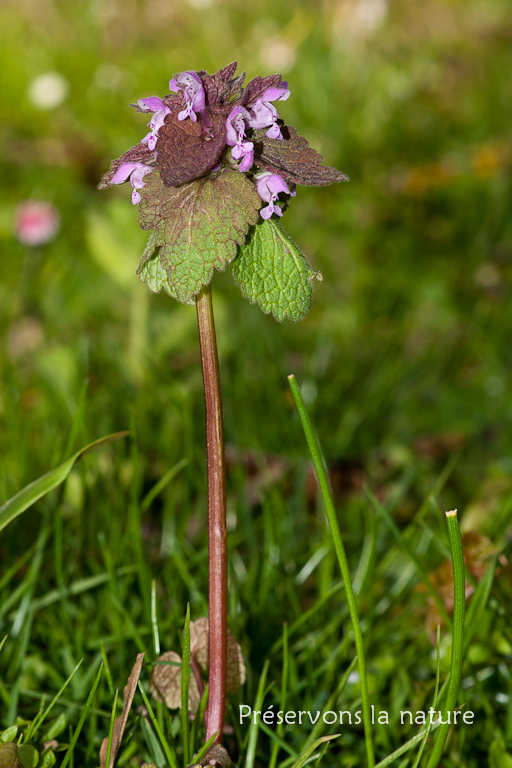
x,y
405,359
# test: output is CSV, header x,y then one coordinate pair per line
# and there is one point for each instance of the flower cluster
x,y
210,123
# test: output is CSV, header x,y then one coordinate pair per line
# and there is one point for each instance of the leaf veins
x,y
186,150
198,226
293,159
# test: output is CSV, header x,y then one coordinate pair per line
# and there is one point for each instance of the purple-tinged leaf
x,y
186,150
140,153
221,88
257,87
293,159
198,226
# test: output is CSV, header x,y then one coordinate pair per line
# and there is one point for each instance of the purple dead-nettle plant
x,y
216,165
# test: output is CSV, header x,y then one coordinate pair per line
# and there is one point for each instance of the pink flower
x,y
37,222
265,115
235,133
135,172
156,105
269,186
193,92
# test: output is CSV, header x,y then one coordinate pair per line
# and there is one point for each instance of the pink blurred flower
x,y
36,222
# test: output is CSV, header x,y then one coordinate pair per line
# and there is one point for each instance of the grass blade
x,y
479,602
434,703
325,490
331,701
111,728
405,747
403,543
154,619
459,607
198,720
204,749
185,678
277,740
254,727
41,717
43,485
81,722
171,759
282,704
309,751
161,484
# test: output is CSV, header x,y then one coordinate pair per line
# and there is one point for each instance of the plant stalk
x,y
217,532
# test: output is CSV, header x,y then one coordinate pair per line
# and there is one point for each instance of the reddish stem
x,y
217,533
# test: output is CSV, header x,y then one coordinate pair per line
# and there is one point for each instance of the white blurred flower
x,y
108,76
198,4
36,222
278,54
25,337
358,18
48,90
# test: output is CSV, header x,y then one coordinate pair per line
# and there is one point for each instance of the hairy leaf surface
x,y
198,227
151,271
272,272
185,150
292,158
140,153
257,87
221,87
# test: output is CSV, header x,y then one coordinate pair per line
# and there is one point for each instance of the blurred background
x,y
406,352
405,357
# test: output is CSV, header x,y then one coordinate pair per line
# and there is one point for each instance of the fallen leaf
x,y
9,755
217,757
477,550
166,682
199,650
120,722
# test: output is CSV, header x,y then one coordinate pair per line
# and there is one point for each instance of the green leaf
x,y
58,725
9,734
498,757
28,756
198,227
151,271
49,759
39,488
272,272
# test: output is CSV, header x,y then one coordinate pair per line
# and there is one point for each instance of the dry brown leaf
x,y
166,682
477,550
436,446
199,650
120,722
216,756
9,755
166,678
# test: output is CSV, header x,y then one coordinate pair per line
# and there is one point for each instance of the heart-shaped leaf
x,y
198,227
272,272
